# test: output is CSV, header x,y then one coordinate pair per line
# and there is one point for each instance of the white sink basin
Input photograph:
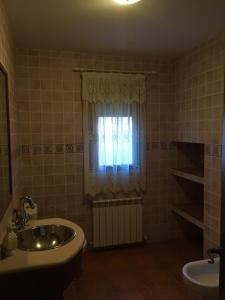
x,y
29,259
203,278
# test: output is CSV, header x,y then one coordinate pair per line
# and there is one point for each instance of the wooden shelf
x,y
196,175
190,212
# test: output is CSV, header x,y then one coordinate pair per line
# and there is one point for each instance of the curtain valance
x,y
113,88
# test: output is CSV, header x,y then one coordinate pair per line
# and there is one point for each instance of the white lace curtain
x,y
112,88
114,134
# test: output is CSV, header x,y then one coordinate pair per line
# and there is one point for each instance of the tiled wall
x,y
159,222
198,111
4,153
49,98
7,60
199,88
184,103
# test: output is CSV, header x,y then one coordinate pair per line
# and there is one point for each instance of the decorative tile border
x,y
155,145
25,149
210,150
4,150
159,145
17,151
59,148
80,148
213,150
70,148
164,146
37,149
48,149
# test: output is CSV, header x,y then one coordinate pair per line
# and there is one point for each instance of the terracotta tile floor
x,y
149,272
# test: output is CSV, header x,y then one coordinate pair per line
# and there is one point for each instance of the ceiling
x,y
167,27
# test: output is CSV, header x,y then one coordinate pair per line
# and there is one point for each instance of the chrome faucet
x,y
26,199
211,254
21,217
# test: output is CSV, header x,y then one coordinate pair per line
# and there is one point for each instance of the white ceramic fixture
x,y
28,259
203,278
126,2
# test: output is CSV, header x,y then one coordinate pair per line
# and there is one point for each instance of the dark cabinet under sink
x,y
41,284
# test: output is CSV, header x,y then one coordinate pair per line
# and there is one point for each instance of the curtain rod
x,y
115,71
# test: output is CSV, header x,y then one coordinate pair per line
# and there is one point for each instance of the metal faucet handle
x,y
27,199
19,220
21,217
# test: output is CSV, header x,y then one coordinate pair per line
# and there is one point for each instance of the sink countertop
x,y
21,260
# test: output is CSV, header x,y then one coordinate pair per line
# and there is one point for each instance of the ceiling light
x,y
38,245
126,2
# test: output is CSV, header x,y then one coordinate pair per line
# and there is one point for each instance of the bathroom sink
x,y
44,237
29,271
203,278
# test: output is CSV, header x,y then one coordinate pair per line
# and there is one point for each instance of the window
x,y
115,141
114,134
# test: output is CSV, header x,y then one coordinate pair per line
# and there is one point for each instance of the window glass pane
x,y
115,141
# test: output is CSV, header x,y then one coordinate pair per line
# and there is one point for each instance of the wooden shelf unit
x,y
189,175
192,174
191,212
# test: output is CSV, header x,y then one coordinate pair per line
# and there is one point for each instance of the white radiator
x,y
117,222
